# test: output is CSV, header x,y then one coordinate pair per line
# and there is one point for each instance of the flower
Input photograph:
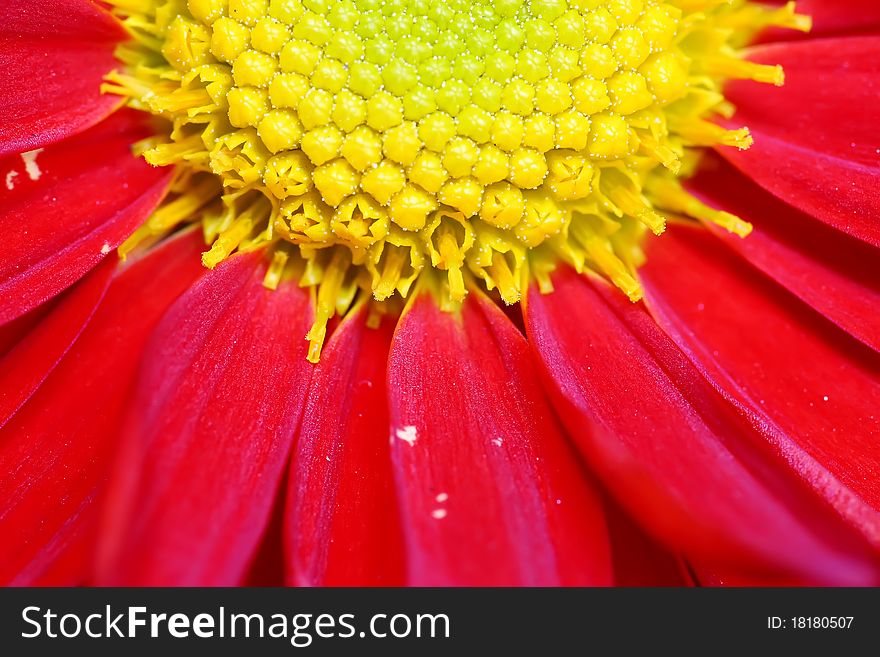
x,y
163,422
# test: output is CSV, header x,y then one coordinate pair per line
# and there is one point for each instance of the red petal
x,y
33,359
55,452
489,491
841,16
342,521
53,57
816,143
673,453
86,196
638,559
715,577
219,399
827,103
812,391
269,563
13,332
833,18
834,273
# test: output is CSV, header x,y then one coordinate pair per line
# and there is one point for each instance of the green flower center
x,y
370,142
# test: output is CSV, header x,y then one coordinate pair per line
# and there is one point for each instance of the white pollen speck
x,y
558,501
407,434
824,397
442,497
497,442
30,164
105,249
439,514
10,179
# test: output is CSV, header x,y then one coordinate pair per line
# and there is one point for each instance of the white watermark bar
x,y
169,622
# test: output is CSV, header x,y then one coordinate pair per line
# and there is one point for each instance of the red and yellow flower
x,y
358,292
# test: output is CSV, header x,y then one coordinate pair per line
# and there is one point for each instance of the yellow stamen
x,y
704,133
740,69
671,196
601,253
276,269
325,305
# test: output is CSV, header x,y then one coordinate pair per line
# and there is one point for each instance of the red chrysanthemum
x,y
470,191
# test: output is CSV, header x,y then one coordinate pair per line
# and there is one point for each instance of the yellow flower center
x,y
371,142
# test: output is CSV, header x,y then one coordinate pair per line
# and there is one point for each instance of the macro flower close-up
x,y
467,293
